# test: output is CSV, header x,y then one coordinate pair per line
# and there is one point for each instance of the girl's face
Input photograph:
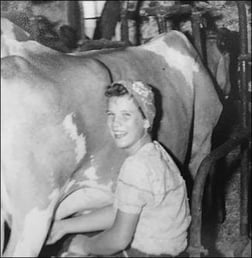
x,y
125,122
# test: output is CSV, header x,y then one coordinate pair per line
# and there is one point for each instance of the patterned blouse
x,y
150,183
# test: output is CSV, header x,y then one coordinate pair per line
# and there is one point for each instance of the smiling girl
x,y
150,216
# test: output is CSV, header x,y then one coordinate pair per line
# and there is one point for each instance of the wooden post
x,y
124,21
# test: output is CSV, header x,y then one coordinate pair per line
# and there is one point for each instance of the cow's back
x,y
187,101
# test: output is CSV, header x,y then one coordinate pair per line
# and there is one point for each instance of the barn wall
x,y
56,11
226,13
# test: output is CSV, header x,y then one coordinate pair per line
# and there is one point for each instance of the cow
x,y
57,156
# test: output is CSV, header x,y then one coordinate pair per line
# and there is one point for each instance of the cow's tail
x,y
106,68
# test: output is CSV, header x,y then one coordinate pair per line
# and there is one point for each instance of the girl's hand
x,y
57,232
79,245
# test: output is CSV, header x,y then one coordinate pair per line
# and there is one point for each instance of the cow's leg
x,y
28,233
31,204
200,149
207,111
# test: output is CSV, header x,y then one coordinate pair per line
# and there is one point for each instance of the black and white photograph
x,y
126,128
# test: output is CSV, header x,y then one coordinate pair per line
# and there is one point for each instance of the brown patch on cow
x,y
181,43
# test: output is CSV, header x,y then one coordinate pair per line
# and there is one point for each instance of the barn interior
x,y
221,215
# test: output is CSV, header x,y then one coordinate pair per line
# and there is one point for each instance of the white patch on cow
x,y
92,180
35,229
183,63
90,173
80,140
54,195
69,185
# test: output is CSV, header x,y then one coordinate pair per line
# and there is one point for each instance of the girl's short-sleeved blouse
x,y
151,184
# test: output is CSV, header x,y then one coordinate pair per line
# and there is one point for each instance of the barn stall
x,y
139,23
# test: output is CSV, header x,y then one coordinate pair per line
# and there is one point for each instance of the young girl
x,y
150,215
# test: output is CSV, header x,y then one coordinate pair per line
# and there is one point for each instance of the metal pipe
x,y
245,57
244,117
196,22
124,21
195,248
161,21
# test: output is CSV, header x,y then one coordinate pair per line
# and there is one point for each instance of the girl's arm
x,y
99,219
112,240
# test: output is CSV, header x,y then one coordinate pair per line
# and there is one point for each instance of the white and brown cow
x,y
57,156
